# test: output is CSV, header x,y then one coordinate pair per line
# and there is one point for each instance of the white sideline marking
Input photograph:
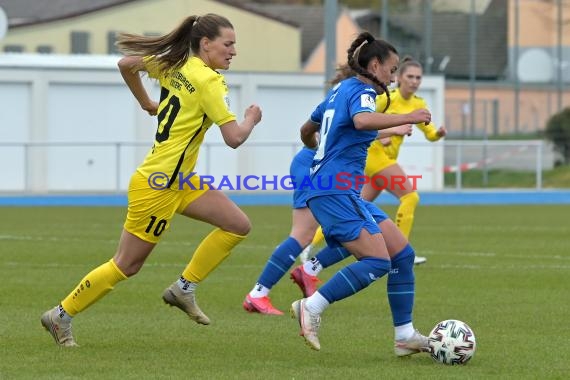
x,y
115,241
257,265
493,267
492,254
270,247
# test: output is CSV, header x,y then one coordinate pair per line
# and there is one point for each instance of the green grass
x,y
503,270
557,178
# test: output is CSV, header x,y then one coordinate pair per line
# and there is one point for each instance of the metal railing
x,y
526,155
459,157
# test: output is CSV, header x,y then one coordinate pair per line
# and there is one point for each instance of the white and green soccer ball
x,y
452,342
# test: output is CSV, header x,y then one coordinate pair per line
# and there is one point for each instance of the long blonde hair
x,y
172,50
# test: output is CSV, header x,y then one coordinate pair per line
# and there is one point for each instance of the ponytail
x,y
172,50
362,50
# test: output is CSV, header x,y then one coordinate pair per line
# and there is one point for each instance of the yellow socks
x,y
210,253
405,214
318,238
93,287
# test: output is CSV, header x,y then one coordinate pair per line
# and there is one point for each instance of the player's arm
x,y
129,67
309,134
235,133
400,130
376,121
431,133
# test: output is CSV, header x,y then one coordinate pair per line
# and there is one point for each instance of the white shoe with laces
x,y
415,344
174,296
59,330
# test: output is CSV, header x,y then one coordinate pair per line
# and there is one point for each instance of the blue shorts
x,y
343,217
299,170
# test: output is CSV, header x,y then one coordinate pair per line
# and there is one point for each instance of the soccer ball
x,y
452,342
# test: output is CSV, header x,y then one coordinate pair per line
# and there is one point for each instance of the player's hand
x,y
253,112
442,131
403,130
385,141
420,116
151,108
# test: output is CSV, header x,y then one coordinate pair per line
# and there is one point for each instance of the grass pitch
x,y
503,270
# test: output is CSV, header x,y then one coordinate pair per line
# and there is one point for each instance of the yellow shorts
x,y
150,210
377,159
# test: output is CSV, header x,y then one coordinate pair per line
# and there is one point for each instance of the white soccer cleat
x,y
415,344
186,302
309,323
419,260
59,330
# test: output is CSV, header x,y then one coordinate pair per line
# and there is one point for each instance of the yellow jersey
x,y
192,98
399,105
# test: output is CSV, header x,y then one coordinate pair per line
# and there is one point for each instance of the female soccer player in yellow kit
x,y
193,97
383,154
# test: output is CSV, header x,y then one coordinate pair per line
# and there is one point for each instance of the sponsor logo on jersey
x,y
367,101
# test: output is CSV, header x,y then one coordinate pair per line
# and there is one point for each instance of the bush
x,y
558,131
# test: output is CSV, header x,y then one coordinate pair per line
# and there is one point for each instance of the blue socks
x,y
354,277
330,256
281,260
401,286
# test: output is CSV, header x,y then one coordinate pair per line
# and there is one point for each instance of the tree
x,y
558,131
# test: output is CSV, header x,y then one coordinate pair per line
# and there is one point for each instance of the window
x,y
13,49
80,42
44,49
111,39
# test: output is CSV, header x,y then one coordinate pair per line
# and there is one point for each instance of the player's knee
x,y
242,228
128,268
372,268
304,238
402,269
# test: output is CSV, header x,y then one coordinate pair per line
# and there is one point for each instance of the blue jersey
x,y
299,172
340,158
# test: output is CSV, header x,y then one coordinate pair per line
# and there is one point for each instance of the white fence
x,y
70,124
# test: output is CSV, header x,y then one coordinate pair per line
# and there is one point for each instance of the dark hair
x,y
342,72
365,48
172,50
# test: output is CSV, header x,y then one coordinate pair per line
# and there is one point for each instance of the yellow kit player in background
x,y
383,153
193,97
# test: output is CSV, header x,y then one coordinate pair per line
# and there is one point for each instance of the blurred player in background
x,y
383,154
193,97
348,122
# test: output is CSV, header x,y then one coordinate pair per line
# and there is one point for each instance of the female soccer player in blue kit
x,y
347,123
303,228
